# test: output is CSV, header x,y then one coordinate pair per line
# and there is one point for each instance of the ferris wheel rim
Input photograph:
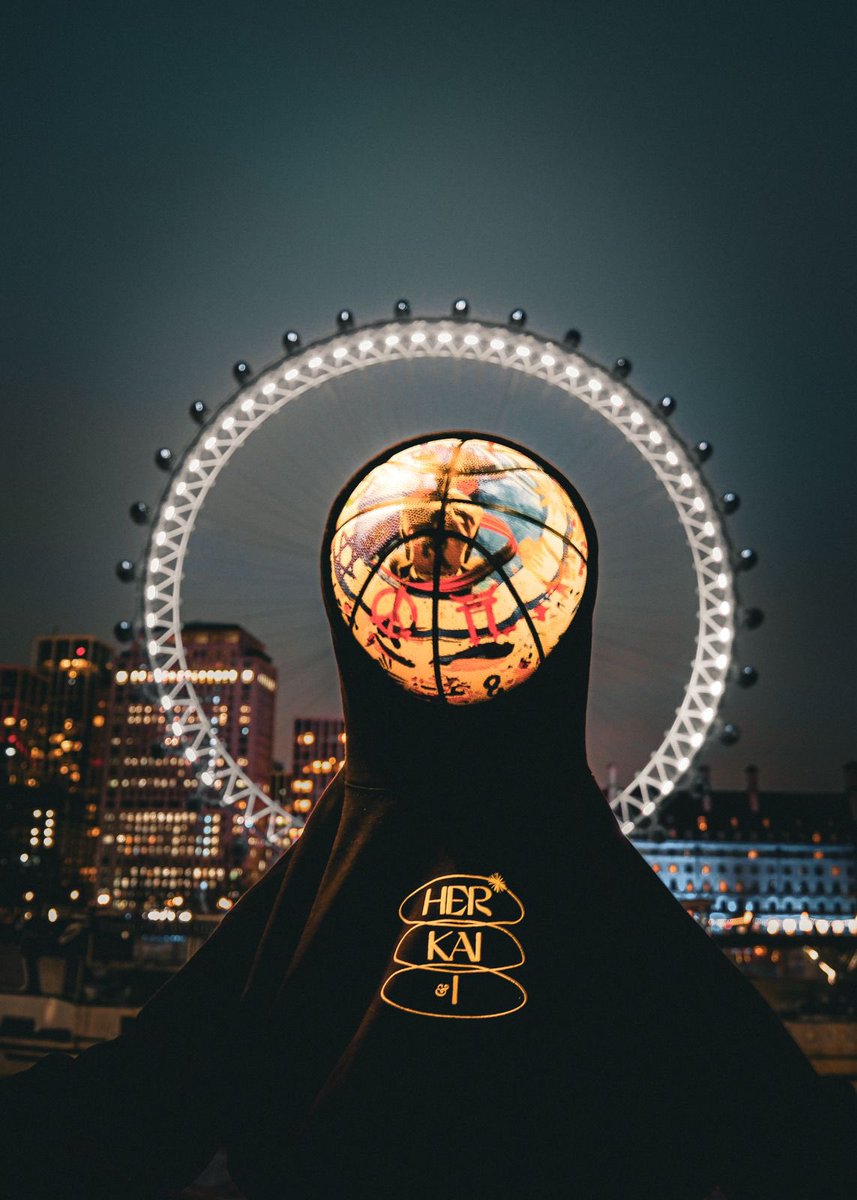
x,y
376,343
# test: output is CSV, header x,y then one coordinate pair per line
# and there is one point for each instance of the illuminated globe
x,y
458,564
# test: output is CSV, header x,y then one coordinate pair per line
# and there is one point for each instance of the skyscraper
x,y
161,842
29,858
318,753
76,669
22,733
54,717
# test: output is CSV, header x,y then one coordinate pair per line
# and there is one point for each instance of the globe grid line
x,y
357,598
439,537
487,505
415,339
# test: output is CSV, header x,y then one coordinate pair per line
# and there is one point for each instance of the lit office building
x,y
76,669
318,753
163,845
77,673
29,859
22,725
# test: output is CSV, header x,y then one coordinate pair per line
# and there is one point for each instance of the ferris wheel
x,y
573,380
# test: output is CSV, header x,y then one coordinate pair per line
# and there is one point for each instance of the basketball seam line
x,y
496,567
489,506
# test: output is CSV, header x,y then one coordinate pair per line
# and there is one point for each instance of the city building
x,y
22,725
164,845
77,673
281,786
772,862
318,751
53,735
35,823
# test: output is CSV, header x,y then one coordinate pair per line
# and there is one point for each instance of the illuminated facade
x,y
35,821
318,753
164,846
779,862
53,734
76,670
22,725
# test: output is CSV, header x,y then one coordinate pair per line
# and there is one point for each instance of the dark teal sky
x,y
182,181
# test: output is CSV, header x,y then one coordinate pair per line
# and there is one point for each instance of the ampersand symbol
x,y
441,989
492,684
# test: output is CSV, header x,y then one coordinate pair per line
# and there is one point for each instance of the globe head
x,y
458,564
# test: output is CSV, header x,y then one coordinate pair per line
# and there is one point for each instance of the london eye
x,y
239,532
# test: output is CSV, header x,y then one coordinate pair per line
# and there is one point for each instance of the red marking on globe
x,y
389,622
483,603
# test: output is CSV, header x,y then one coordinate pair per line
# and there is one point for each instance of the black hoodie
x,y
463,981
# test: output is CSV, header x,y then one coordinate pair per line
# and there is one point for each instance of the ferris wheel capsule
x,y
730,501
747,677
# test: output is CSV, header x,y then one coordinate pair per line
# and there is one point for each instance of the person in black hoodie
x,y
463,981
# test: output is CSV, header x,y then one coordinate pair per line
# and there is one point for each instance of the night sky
x,y
181,182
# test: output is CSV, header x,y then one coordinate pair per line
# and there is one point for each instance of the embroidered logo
x,y
457,951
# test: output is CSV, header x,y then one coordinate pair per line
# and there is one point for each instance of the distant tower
x,y
29,860
700,787
77,672
161,844
319,752
281,785
752,773
22,727
612,782
850,779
